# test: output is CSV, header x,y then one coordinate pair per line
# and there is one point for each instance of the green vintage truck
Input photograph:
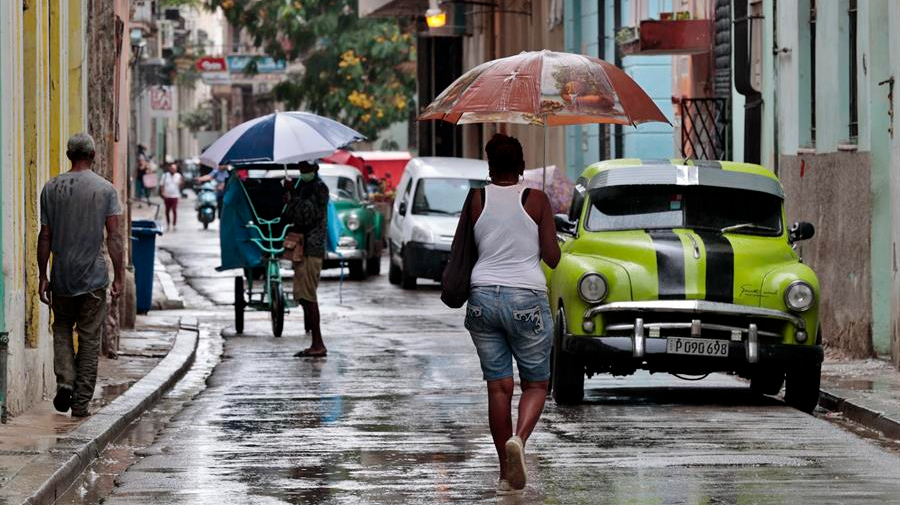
x,y
362,241
684,267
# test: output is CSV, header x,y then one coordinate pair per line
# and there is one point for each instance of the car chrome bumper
x,y
695,307
345,254
651,353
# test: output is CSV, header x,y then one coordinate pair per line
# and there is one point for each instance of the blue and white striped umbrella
x,y
280,138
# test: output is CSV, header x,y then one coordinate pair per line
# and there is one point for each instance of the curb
x,y
172,298
859,414
48,476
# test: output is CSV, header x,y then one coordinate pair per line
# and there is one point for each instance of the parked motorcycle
x,y
206,203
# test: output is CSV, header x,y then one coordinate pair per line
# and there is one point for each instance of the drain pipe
x,y
4,352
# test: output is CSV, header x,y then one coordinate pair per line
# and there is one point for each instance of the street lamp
x,y
434,16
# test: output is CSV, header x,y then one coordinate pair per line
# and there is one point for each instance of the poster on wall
x,y
163,101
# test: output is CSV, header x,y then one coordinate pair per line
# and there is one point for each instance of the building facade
x,y
46,61
828,130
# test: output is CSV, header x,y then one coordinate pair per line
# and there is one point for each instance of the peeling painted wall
x,y
40,104
833,191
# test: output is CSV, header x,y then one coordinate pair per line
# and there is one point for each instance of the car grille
x,y
663,324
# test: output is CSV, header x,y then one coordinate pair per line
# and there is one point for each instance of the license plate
x,y
696,346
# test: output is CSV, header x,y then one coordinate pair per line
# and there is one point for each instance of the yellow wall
x,y
76,63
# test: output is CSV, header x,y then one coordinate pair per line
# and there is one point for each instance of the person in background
x,y
308,210
170,191
76,207
508,314
220,176
142,165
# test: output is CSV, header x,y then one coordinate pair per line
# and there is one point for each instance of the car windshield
x,y
340,187
697,207
442,196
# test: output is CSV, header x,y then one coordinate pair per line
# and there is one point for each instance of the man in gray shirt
x,y
75,208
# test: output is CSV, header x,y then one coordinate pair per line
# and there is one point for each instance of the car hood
x,y
345,204
442,227
682,264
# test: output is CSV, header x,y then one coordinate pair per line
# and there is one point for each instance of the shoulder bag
x,y
463,255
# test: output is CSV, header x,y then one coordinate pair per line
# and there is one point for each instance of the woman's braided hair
x,y
505,155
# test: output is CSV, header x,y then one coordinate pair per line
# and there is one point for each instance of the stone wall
x,y
833,192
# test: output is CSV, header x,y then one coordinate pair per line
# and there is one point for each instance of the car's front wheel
x,y
358,269
802,387
566,372
766,382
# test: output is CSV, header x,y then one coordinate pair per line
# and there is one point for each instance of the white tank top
x,y
509,251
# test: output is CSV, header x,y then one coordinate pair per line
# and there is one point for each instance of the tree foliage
x,y
360,71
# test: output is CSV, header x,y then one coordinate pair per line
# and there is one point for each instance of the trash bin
x,y
143,255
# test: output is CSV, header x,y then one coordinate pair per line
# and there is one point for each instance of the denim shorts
x,y
506,322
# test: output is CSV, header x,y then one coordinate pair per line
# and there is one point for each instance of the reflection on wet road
x,y
396,414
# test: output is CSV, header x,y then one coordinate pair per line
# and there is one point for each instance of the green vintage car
x,y
684,267
362,241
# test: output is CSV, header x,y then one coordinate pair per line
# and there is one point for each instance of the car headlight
x,y
799,296
420,234
353,222
592,287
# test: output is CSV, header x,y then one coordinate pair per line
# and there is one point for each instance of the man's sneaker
x,y
504,489
63,399
81,413
515,463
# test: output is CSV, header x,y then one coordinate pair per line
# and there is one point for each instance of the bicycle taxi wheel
x,y
276,310
239,304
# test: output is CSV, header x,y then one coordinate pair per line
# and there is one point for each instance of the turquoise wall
x,y
879,122
653,73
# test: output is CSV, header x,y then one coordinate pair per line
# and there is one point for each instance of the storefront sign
x,y
212,64
237,63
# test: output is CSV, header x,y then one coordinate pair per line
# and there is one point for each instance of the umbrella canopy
x,y
545,88
281,138
555,183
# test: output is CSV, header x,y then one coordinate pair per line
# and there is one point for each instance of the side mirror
x,y
563,225
402,209
801,231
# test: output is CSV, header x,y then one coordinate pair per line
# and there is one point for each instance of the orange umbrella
x,y
544,88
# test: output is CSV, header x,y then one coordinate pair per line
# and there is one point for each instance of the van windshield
x,y
442,196
696,207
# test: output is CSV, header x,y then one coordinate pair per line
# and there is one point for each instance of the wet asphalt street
x,y
397,414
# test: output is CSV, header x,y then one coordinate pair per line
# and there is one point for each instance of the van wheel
x,y
407,281
566,372
394,273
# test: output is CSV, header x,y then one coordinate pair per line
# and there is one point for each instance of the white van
x,y
429,199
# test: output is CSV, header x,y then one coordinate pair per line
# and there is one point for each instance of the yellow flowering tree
x,y
360,71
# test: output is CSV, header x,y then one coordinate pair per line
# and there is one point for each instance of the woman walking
x,y
170,190
508,314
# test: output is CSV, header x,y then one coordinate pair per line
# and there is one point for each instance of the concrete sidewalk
x,y
43,451
866,392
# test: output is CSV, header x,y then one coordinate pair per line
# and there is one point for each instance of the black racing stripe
x,y
669,264
719,267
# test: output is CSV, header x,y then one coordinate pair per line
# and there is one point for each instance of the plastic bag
x,y
334,228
